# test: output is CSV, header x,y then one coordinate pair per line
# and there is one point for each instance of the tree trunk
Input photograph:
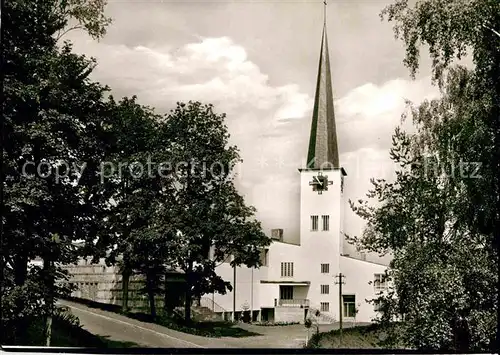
x,y
125,283
48,331
166,305
461,334
189,296
497,249
21,269
20,276
151,294
49,299
187,307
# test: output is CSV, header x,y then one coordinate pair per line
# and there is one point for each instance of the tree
x,y
135,193
205,209
89,16
451,30
50,110
443,273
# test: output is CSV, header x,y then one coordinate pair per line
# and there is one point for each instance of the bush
x,y
246,318
308,323
272,324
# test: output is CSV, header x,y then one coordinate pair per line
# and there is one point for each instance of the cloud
x,y
213,70
368,114
379,100
269,123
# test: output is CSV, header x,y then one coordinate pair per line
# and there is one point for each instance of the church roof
x,y
323,149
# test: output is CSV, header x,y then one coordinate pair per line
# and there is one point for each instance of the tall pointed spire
x,y
324,12
323,149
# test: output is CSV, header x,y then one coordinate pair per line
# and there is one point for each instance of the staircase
x,y
211,305
209,310
206,310
203,313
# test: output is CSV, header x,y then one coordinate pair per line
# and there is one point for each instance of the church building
x,y
298,279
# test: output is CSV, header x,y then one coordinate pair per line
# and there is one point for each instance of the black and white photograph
x,y
275,175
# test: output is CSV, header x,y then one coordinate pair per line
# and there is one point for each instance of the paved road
x,y
120,328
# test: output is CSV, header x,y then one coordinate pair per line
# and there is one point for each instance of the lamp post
x,y
234,293
251,300
340,282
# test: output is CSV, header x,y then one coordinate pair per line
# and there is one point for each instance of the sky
x,y
257,62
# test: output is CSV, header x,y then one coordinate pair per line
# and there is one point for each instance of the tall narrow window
x,y
325,268
349,305
286,292
325,289
326,222
314,223
264,257
287,269
325,307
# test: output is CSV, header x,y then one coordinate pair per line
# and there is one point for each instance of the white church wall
x,y
268,293
358,275
321,247
283,252
351,251
343,207
245,288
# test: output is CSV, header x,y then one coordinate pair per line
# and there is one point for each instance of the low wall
x,y
289,314
103,284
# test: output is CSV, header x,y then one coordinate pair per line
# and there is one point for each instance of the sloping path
x,y
120,328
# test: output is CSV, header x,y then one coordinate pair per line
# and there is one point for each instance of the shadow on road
x,y
117,344
65,333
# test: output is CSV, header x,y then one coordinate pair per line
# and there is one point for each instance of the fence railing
x,y
210,304
296,302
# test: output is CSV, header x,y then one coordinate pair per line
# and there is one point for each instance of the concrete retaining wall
x,y
289,314
103,284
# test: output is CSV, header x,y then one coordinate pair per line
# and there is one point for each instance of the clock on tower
x,y
320,183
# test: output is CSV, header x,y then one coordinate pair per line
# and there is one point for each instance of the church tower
x,y
321,201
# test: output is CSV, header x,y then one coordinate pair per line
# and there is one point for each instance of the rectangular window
x,y
380,283
314,223
349,305
286,292
326,222
325,307
325,289
325,268
287,269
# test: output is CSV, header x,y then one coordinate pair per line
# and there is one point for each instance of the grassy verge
x,y
212,329
360,337
65,333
